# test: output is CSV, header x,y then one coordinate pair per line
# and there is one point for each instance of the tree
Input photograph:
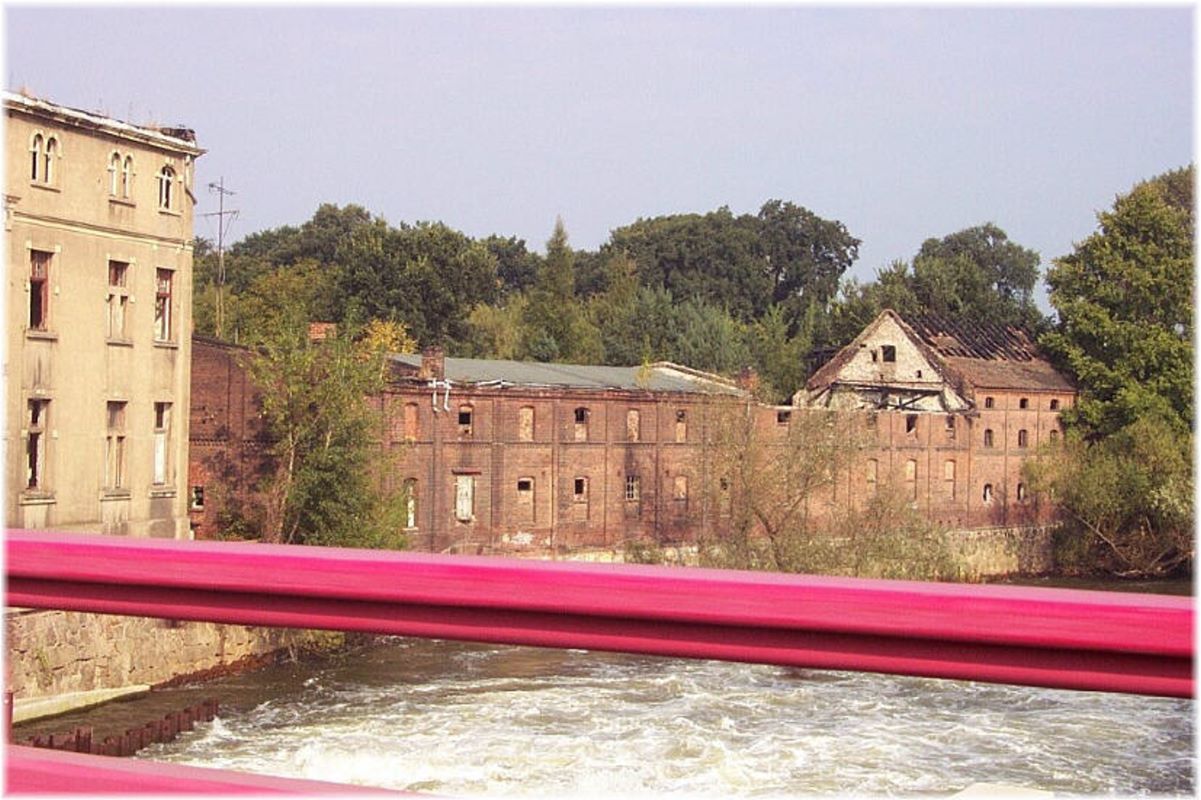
x,y
771,500
805,255
1125,304
1127,499
324,487
556,327
978,273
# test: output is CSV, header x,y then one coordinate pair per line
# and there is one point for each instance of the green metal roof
x,y
659,377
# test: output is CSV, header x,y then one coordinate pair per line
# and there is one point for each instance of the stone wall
x,y
52,652
994,552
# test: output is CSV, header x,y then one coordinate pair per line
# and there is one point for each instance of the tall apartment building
x,y
98,225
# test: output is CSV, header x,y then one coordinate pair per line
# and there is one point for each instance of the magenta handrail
x,y
1043,637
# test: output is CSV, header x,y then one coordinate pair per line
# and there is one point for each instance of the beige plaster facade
x,y
98,232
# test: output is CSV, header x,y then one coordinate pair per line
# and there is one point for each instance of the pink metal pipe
x,y
40,771
1045,637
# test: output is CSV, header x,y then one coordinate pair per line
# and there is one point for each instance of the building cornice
x,y
84,120
58,223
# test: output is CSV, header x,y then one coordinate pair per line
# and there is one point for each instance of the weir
x,y
1042,637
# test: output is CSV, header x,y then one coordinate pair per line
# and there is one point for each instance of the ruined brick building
x,y
502,455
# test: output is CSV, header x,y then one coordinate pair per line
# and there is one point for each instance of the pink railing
x,y
1040,637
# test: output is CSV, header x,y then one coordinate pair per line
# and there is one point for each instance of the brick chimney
x,y
433,363
748,379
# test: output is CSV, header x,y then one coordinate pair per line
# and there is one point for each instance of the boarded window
x,y
681,426
1023,438
988,437
410,422
114,460
162,438
950,427
466,423
948,477
633,425
889,353
118,299
409,498
525,424
464,497
680,488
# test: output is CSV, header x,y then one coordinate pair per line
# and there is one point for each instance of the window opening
x,y
114,174
1021,492
114,462
525,424
633,425
581,424
783,417
988,437
410,422
409,497
166,179
988,402
1023,438
51,152
911,423
948,476
525,484
1054,435
118,299
465,420
196,499
580,490
464,498
35,152
889,353
39,289
680,488
1024,402
681,426
633,488
162,430
35,446
163,278
1055,405
127,177
987,494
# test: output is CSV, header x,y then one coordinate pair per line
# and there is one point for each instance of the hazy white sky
x,y
901,123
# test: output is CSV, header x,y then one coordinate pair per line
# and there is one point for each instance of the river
x,y
471,720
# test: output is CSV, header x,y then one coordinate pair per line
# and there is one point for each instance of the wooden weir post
x,y
8,717
83,739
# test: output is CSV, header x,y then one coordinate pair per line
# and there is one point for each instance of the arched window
x,y
1021,492
127,177
1055,405
1024,402
1054,436
988,437
1023,438
35,152
988,494
911,477
114,174
51,153
166,179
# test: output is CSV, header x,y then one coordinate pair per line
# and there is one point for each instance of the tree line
x,y
718,291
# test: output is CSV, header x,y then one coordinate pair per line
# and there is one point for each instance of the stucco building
x,y
98,225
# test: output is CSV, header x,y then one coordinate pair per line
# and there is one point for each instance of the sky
x,y
902,123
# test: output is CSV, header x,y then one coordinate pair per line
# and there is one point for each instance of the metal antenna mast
x,y
222,227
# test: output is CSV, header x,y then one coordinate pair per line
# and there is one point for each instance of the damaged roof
x,y
982,355
659,377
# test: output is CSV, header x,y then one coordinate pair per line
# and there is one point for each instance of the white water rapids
x,y
472,720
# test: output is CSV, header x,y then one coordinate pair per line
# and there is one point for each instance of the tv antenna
x,y
222,228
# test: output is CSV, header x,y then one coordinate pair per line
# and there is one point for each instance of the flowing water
x,y
469,720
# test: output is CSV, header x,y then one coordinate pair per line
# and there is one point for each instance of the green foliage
x,y
1127,499
556,327
324,489
1125,304
495,331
